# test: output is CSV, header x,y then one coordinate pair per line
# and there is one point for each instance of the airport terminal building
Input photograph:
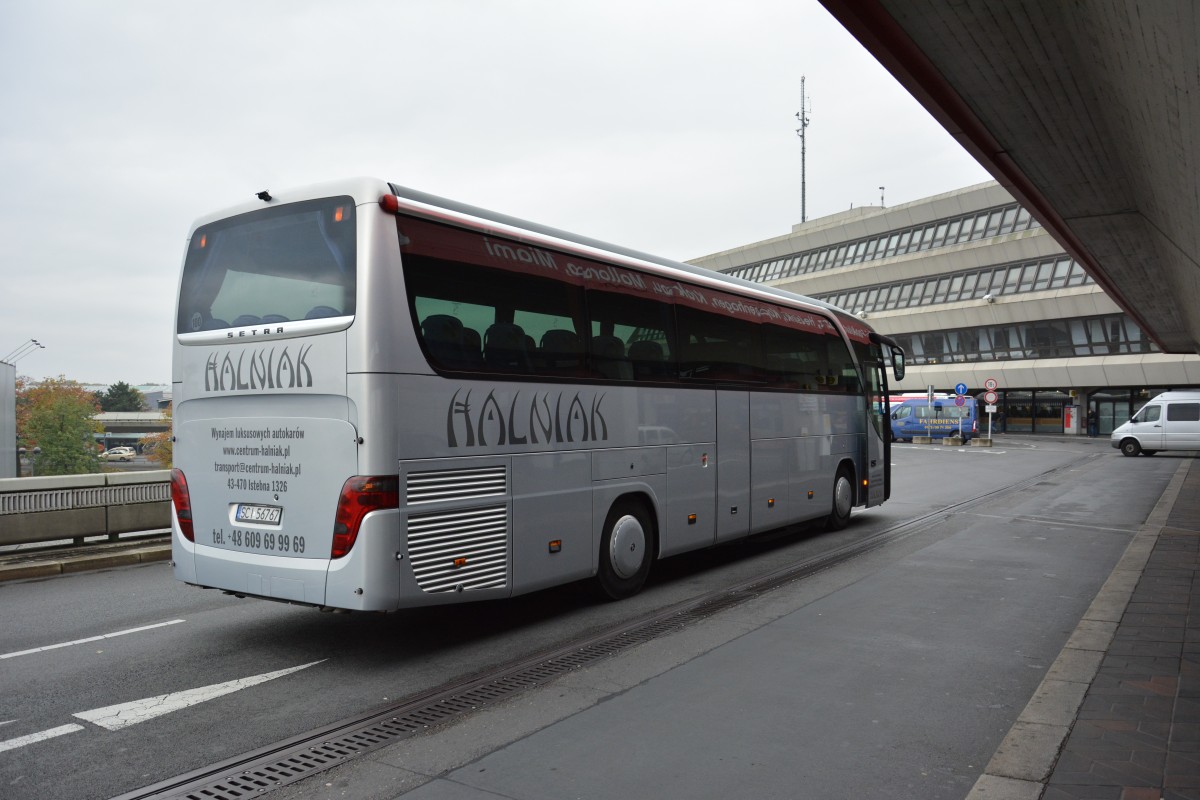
x,y
974,288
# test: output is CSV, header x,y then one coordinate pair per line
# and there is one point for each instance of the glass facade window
x,y
1006,223
1078,276
892,241
926,238
1009,279
993,223
971,227
977,232
952,231
1062,268
1045,270
964,233
943,285
893,296
1045,339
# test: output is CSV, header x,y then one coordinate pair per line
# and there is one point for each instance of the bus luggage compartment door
x,y
733,465
691,484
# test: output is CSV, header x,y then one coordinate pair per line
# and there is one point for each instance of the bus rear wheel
x,y
626,551
843,500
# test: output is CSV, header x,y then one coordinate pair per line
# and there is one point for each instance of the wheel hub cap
x,y
627,546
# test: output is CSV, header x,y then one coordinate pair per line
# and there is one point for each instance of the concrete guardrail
x,y
50,509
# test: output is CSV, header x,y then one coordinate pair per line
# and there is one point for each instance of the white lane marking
x,y
89,639
21,741
125,714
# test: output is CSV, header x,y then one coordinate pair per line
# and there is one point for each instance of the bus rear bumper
x,y
289,579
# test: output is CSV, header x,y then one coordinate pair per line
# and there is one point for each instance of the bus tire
x,y
626,550
1130,447
843,500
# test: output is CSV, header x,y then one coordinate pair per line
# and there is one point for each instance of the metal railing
x,y
35,510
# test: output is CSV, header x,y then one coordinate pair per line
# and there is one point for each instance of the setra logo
x,y
555,418
258,370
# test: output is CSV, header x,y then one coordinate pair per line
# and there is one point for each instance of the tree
x,y
159,447
121,397
57,416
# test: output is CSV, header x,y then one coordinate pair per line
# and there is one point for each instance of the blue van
x,y
918,417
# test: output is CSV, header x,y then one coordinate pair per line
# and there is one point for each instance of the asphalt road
x,y
193,677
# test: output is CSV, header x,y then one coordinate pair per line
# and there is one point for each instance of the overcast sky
x,y
668,127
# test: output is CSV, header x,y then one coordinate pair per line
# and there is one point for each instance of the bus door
x,y
874,361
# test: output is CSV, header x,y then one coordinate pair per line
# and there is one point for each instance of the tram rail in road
x,y
306,754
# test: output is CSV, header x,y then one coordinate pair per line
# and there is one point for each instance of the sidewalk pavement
x,y
1118,715
48,562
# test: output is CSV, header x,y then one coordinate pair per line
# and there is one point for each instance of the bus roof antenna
x,y
264,195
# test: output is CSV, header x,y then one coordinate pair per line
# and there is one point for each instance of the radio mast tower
x,y
802,115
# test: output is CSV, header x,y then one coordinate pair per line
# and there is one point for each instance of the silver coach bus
x,y
385,399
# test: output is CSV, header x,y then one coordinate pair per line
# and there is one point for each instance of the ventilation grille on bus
x,y
456,484
459,550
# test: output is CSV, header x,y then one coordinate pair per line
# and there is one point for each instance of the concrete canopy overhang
x,y
1087,112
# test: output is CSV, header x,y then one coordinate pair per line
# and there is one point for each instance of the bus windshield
x,y
276,265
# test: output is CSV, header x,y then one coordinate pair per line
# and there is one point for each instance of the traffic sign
x,y
960,389
990,398
990,384
960,401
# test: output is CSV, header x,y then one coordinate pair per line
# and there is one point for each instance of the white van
x,y
1170,421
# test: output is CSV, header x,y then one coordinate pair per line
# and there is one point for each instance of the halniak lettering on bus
x,y
492,424
258,370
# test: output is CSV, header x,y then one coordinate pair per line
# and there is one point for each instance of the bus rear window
x,y
294,262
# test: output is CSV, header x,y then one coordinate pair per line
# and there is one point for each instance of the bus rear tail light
x,y
182,500
360,496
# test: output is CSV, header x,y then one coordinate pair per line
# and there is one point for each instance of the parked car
x,y
916,417
119,454
1171,421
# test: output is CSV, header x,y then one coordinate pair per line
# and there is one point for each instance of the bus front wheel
x,y
843,500
626,551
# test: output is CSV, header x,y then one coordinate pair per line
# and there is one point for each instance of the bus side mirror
x,y
898,364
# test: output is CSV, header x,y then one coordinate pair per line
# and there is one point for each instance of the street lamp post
x,y
22,351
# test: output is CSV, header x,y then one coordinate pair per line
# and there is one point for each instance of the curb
x,y
1026,758
66,565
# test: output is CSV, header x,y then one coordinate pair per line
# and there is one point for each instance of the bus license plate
x,y
248,512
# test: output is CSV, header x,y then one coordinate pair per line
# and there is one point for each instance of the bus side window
x,y
561,351
504,348
472,348
607,355
443,335
630,336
